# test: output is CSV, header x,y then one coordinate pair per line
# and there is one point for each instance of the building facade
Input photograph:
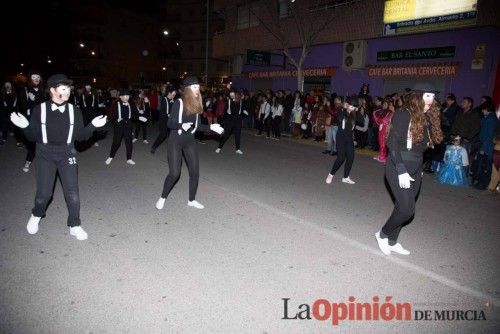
x,y
464,60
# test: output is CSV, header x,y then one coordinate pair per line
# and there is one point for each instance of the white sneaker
x,y
348,180
108,161
397,248
131,162
78,232
134,140
32,226
383,244
26,167
160,203
217,150
196,204
329,179
239,152
145,141
96,144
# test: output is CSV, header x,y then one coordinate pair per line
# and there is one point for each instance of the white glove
x,y
146,100
186,126
19,120
217,128
404,180
31,96
143,119
245,112
99,121
101,105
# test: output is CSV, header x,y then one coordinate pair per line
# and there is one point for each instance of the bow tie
x,y
56,107
125,103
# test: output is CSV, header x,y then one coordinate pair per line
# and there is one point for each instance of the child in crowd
x,y
455,161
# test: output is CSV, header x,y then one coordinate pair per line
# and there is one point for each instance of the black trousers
x,y
141,126
404,199
345,152
4,123
163,134
277,126
122,130
361,138
232,125
177,146
50,161
31,148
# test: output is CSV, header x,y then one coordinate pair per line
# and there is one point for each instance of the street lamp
x,y
92,53
82,45
165,32
163,68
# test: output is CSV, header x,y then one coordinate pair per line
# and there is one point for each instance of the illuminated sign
x,y
427,53
410,16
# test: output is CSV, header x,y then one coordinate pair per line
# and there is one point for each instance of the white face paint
x,y
195,89
428,99
8,87
35,78
231,95
171,95
88,87
124,98
61,93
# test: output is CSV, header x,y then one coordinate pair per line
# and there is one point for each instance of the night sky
x,y
36,30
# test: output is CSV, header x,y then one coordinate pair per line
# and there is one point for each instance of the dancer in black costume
x,y
183,122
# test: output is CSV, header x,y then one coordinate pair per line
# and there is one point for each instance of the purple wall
x,y
468,82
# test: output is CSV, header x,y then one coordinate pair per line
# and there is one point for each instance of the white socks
x,y
160,203
108,160
78,232
26,167
196,204
131,162
32,226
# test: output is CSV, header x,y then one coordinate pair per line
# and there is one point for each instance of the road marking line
x,y
375,251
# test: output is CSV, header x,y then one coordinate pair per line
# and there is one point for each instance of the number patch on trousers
x,y
72,161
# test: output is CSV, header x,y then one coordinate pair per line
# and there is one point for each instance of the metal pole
x,y
206,47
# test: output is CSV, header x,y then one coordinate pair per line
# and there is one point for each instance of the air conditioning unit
x,y
236,64
354,55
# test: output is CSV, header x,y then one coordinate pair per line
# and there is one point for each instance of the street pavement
x,y
272,240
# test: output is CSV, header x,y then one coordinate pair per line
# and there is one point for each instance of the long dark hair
x,y
414,103
192,102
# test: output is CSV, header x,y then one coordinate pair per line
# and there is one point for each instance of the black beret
x,y
353,101
57,80
191,80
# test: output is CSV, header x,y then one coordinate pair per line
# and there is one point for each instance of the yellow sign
x,y
404,10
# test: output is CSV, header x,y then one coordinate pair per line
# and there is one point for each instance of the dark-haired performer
x,y
54,126
166,105
183,122
32,95
232,121
414,128
123,113
346,119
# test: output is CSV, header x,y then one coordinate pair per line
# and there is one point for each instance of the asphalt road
x,y
271,230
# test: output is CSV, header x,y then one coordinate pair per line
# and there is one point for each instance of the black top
x,y
397,141
173,120
164,111
57,125
28,98
235,110
349,126
125,112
